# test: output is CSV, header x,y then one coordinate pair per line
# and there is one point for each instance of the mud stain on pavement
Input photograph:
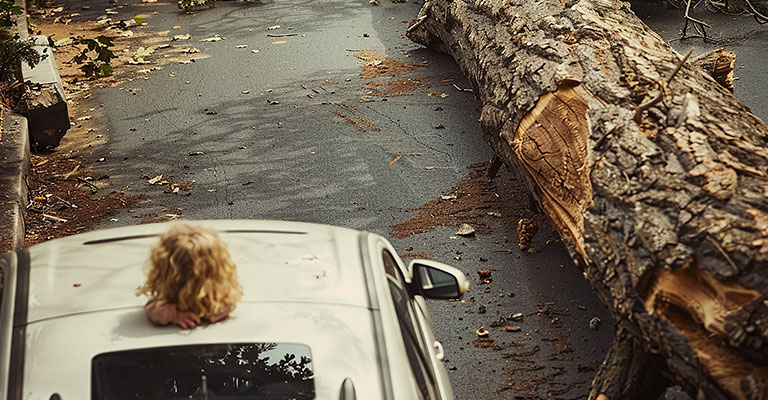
x,y
376,65
477,200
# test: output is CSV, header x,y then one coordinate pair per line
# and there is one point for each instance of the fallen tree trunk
x,y
654,174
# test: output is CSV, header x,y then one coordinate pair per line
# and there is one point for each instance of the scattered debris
x,y
462,90
214,38
526,229
484,273
465,230
395,160
375,65
594,323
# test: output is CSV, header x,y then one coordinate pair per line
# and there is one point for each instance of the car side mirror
x,y
437,280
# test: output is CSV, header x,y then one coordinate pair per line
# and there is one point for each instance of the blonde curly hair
x,y
191,267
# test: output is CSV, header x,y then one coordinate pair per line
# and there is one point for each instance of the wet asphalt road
x,y
303,161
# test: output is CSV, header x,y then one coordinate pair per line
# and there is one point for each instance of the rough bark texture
x,y
668,216
628,372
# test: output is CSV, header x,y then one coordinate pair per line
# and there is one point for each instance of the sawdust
x,y
390,88
478,201
376,65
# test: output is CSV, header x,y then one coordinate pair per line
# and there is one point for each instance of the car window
x,y
411,335
209,371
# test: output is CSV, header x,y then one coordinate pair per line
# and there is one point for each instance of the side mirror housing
x,y
436,280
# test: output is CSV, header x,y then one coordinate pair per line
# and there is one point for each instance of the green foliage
x,y
189,5
8,8
13,52
95,57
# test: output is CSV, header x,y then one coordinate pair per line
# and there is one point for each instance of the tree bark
x,y
654,174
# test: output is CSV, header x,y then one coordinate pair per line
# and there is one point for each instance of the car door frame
x,y
420,320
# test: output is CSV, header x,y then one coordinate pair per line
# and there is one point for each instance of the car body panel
x,y
338,337
307,263
317,285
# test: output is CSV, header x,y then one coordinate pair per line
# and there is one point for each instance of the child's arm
x,y
228,308
166,313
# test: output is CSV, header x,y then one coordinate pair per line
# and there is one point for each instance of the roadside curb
x,y
14,163
14,167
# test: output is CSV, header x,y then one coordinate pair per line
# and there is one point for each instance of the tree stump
x,y
655,176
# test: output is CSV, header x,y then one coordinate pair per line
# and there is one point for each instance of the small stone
x,y
512,328
594,323
517,317
481,309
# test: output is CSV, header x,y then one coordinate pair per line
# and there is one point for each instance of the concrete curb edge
x,y
14,167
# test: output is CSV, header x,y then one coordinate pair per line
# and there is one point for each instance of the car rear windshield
x,y
209,371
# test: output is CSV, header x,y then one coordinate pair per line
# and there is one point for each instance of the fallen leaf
x,y
246,183
177,27
85,118
141,54
494,214
63,42
279,42
76,285
438,94
255,51
190,50
449,197
196,153
214,38
465,230
512,328
429,168
155,180
185,36
241,46
484,273
396,159
272,28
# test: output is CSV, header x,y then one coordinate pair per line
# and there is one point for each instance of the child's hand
x,y
187,319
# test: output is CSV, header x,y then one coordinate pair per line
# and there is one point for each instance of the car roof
x,y
302,283
276,261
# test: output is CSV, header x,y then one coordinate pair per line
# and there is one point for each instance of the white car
x,y
327,313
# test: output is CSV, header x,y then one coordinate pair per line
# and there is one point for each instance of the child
x,y
191,276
